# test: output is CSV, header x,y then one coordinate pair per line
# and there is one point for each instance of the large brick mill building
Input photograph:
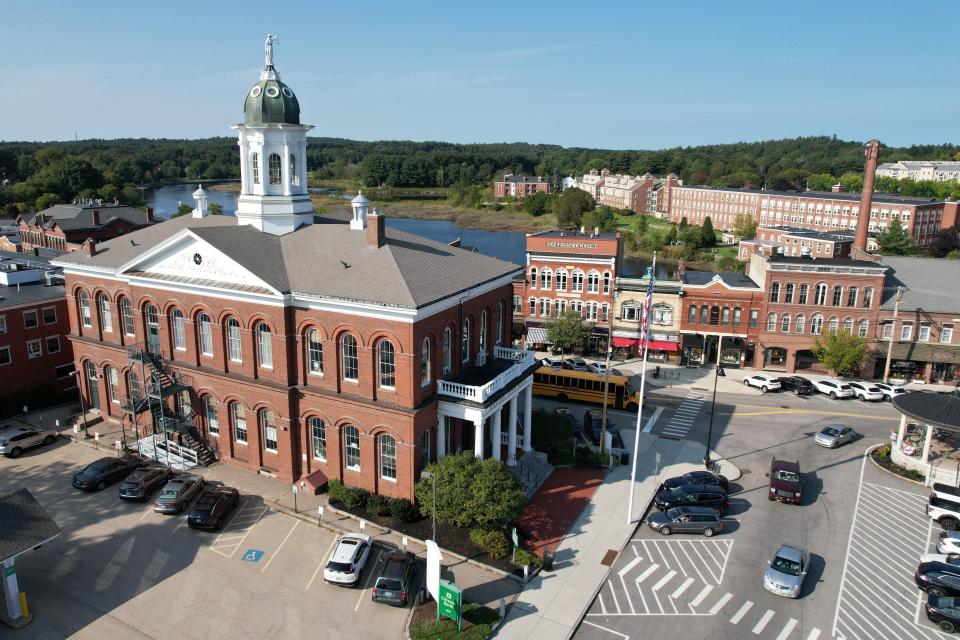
x,y
298,345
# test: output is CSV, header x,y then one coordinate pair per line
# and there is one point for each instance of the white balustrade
x,y
522,360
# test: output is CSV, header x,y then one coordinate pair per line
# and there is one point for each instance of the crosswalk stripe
x,y
742,611
787,629
719,605
814,634
702,595
683,587
760,626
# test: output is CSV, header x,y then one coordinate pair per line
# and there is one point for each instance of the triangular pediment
x,y
187,258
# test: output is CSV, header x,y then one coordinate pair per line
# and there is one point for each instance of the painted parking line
x,y
283,542
787,629
323,561
742,611
762,623
238,528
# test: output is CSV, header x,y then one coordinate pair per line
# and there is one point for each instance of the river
x,y
506,245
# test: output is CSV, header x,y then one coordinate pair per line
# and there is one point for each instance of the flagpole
x,y
643,381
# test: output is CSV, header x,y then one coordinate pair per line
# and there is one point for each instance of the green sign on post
x,y
450,603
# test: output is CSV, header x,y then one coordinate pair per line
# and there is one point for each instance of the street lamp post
x,y
896,310
430,476
713,406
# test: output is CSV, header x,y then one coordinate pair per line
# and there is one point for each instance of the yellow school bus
x,y
584,386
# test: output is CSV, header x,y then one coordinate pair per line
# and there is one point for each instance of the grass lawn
x,y
477,623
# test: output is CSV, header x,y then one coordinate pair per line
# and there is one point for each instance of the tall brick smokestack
x,y
866,199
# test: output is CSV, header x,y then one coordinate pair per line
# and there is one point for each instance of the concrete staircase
x,y
532,470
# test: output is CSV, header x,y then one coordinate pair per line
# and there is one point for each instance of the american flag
x,y
647,304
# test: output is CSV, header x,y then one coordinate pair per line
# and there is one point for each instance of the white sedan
x,y
763,382
866,391
834,388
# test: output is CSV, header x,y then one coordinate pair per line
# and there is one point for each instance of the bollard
x,y
404,543
526,573
76,434
319,515
96,437
25,610
362,525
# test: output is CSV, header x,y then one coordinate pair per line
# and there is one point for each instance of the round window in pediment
x,y
272,92
255,91
197,259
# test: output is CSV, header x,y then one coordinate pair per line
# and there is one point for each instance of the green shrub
x,y
493,541
471,492
586,458
335,490
377,505
524,558
402,510
354,497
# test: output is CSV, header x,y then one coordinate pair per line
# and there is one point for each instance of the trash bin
x,y
547,560
624,458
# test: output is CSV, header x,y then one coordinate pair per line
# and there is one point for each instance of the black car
x,y
395,585
97,475
592,423
944,612
702,495
144,480
212,507
799,386
938,579
695,477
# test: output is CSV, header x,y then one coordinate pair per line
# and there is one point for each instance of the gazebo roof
x,y
24,524
938,409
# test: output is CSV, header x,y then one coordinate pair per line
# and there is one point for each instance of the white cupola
x,y
200,197
273,155
360,205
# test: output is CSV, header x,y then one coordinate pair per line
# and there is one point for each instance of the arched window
x,y
264,345
425,355
238,414
133,385
704,314
348,354
774,292
788,293
178,331
351,447
318,438
113,384
816,324
268,429
106,317
799,324
848,325
546,279
785,323
447,351
593,282
126,316
662,314
803,293
561,278
867,297
606,282
833,324
205,329
83,305
153,329
692,314
294,179
314,352
862,328
388,457
851,296
771,322
737,313
577,281
210,415
714,314
533,277
255,165
233,340
274,161
484,329
837,295
465,333
498,336
387,364
820,294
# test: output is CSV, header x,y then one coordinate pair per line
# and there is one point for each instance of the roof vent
x,y
805,252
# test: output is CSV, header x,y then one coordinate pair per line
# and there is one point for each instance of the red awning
x,y
625,342
655,345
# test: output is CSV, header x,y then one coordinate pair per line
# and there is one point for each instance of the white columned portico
x,y
478,437
495,434
527,418
901,431
512,433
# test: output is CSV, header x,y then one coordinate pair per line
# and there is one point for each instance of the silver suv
x,y
16,440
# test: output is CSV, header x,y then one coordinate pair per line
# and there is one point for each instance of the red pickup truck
x,y
784,481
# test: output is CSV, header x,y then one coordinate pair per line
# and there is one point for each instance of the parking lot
x,y
122,571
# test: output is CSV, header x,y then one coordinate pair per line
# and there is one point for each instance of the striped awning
x,y
537,335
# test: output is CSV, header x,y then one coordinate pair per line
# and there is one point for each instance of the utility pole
x,y
713,406
896,310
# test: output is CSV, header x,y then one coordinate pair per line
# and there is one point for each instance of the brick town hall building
x,y
294,344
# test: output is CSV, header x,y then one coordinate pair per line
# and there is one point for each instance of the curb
x,y
885,470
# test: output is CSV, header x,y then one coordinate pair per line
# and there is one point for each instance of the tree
x,y
571,206
895,240
853,182
821,182
47,200
744,226
944,242
215,209
568,331
470,491
641,224
182,210
600,218
537,204
841,352
708,235
682,230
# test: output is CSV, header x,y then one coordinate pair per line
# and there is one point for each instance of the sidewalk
x,y
553,603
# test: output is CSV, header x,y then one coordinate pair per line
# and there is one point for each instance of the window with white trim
x,y
113,385
425,356
533,277
820,294
233,340
53,344
816,324
238,414
206,334
126,316
351,447
314,352
946,334
785,323
5,356
772,322
923,333
388,457
577,281
34,349
606,282
349,358
273,163
798,324
867,297
30,319
546,279
318,438
593,282
498,336
631,311
265,345
268,426
848,325
906,331
447,351
49,315
887,330
255,165
863,328
106,316
561,279
178,330
833,324
210,415
387,364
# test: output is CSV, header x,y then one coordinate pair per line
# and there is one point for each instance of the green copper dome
x,y
271,102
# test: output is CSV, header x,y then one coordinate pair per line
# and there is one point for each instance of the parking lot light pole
x,y
433,478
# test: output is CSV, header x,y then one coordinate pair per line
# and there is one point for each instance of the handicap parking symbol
x,y
252,555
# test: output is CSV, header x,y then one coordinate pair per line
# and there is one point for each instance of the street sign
x,y
294,487
252,555
514,537
450,603
433,569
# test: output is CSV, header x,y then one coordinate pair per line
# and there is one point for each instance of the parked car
x,y
948,558
212,507
700,495
143,481
15,440
943,506
834,388
592,422
695,477
98,474
786,572
553,362
349,556
944,612
703,520
762,381
599,368
784,481
948,542
938,579
865,391
395,583
177,493
834,435
796,384
577,364
890,391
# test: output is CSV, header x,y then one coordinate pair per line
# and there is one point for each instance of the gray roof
x,y
567,235
931,284
73,217
24,524
938,409
826,262
325,259
730,278
13,296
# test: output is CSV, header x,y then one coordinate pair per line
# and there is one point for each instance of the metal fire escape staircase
x,y
163,383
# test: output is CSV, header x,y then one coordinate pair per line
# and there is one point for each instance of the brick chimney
x,y
866,200
376,228
89,247
95,217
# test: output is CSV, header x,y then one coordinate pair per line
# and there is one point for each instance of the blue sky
x,y
630,75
